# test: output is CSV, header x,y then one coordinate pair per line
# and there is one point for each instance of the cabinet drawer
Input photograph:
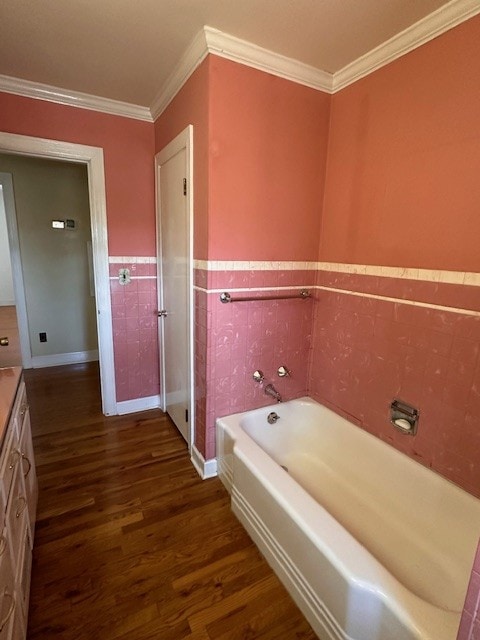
x,y
9,462
16,516
20,408
24,572
27,465
8,599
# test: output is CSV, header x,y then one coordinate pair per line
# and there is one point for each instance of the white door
x,y
174,249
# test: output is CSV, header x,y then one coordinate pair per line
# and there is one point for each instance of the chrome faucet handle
x,y
258,376
282,371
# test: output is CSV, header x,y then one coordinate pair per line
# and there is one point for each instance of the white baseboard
x,y
58,359
138,404
205,468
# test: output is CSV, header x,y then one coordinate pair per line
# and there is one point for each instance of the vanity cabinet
x,y
18,502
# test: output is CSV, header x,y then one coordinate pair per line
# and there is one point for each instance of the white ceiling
x,y
126,49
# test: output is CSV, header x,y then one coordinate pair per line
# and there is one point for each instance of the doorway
x,y
92,158
48,218
174,197
10,354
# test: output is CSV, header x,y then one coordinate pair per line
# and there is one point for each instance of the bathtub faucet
x,y
271,391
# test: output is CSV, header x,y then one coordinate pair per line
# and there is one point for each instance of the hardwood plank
x,y
130,542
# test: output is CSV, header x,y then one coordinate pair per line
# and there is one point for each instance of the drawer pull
x,y
3,545
22,505
10,609
14,458
24,457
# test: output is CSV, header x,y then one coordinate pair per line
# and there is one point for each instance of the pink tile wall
x,y
367,351
470,622
135,337
235,339
200,364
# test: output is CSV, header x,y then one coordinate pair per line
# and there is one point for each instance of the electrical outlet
x,y
42,336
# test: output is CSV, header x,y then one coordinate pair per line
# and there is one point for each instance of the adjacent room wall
x,y
55,263
7,296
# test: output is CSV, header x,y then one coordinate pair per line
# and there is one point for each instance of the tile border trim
x,y
411,303
132,259
404,273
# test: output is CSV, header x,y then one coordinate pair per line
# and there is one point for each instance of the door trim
x,y
184,140
92,157
17,273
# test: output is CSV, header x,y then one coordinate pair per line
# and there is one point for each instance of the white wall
x,y
7,297
54,261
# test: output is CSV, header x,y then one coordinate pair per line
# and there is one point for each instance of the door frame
x,y
92,157
184,140
17,272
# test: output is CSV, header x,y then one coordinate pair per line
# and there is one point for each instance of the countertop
x,y
9,380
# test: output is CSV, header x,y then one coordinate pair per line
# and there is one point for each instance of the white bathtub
x,y
370,544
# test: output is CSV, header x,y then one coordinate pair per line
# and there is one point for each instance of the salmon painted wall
x,y
402,190
191,106
402,185
128,147
268,152
260,151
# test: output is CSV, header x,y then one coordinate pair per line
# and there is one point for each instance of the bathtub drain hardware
x,y
272,417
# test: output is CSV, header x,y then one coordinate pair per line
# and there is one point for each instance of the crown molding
x,y
433,25
46,92
215,42
190,60
227,46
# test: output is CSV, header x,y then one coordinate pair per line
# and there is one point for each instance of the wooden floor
x,y
130,542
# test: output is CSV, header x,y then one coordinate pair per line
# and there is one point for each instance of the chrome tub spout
x,y
271,391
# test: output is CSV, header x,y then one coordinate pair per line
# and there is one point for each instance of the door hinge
x,y
184,186
186,415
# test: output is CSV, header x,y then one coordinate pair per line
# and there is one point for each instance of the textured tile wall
x,y
369,350
135,332
237,338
